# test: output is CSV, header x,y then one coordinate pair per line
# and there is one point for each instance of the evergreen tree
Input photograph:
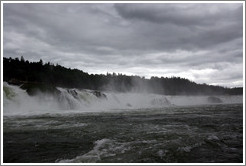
x,y
56,75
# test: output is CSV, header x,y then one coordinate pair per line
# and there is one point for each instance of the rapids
x,y
17,101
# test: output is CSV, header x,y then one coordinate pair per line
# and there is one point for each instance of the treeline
x,y
22,71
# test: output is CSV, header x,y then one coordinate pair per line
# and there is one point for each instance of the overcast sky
x,y
201,42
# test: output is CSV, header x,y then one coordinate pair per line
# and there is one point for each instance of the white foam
x,y
190,147
213,138
80,101
103,148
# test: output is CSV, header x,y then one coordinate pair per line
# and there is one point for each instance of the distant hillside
x,y
21,71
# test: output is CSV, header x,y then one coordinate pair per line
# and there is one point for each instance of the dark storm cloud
x,y
180,14
196,41
187,26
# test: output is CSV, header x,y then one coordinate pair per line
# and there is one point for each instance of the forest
x,y
21,71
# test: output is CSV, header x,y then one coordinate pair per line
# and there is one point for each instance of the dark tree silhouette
x,y
17,71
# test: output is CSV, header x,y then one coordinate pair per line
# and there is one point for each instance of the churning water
x,y
182,134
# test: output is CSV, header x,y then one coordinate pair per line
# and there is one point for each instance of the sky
x,y
202,42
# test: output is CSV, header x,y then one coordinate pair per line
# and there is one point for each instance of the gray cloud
x,y
181,14
202,42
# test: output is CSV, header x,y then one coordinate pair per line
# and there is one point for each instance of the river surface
x,y
188,134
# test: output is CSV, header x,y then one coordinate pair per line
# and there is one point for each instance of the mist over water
x,y
18,102
86,126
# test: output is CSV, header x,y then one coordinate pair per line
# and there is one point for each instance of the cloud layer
x,y
201,42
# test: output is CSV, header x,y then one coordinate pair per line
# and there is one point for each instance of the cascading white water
x,y
17,102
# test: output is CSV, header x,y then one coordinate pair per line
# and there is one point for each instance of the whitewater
x,y
81,126
17,101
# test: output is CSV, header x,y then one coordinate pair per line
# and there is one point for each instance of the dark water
x,y
201,134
